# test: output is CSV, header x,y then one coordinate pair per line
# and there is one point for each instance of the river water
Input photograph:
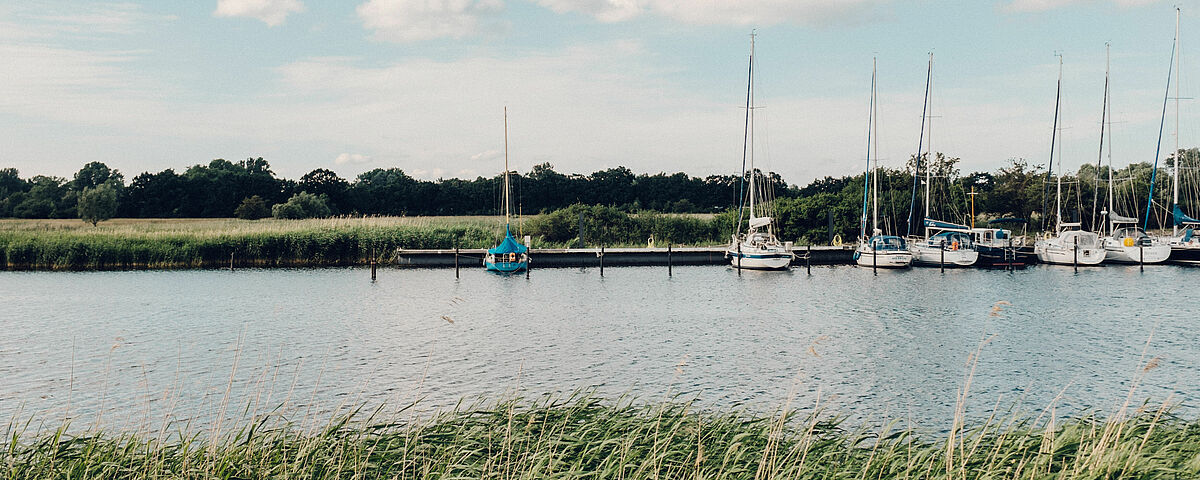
x,y
126,348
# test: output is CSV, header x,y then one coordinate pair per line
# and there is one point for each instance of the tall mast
x,y
868,175
1053,138
1058,192
1111,226
1162,121
875,177
912,203
929,144
1100,154
750,128
1175,180
506,201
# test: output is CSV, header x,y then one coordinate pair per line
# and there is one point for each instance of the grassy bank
x,y
196,243
586,438
199,243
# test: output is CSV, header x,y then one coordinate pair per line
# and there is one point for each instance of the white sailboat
x,y
758,248
952,244
1070,245
877,250
1184,242
1125,241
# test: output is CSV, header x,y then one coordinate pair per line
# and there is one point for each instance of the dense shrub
x,y
302,205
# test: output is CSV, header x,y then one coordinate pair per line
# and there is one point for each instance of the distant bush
x,y
302,205
97,204
252,208
603,225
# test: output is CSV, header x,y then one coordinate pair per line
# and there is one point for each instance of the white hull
x,y
1051,252
883,258
930,255
1119,253
758,258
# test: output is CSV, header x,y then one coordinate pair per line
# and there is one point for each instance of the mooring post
x,y
373,262
1013,253
231,261
942,252
874,260
1076,260
739,262
1141,257
455,262
527,262
808,259
668,259
602,260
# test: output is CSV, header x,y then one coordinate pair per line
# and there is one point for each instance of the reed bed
x,y
206,243
137,244
583,437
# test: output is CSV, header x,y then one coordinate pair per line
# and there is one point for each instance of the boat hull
x,y
772,259
1059,255
1004,257
506,267
883,259
1185,254
935,256
1118,253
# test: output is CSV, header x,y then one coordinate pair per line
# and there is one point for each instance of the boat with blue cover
x,y
508,256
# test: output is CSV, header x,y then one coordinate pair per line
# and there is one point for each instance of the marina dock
x,y
615,257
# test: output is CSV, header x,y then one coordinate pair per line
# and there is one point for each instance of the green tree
x,y
98,203
302,205
252,208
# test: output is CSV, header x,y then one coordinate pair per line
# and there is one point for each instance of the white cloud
x,y
270,12
351,158
415,20
758,12
1033,6
488,155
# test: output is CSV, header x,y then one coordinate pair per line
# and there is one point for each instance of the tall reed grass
x,y
582,437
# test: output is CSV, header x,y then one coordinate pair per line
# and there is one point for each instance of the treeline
x,y
220,187
224,189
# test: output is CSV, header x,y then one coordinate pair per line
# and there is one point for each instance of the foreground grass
x,y
583,437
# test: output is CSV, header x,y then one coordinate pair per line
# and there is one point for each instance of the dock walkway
x,y
614,257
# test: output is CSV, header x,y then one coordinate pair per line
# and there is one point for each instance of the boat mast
x,y
929,145
912,203
1100,154
506,214
750,130
867,176
1162,121
1112,227
1175,180
875,177
1053,137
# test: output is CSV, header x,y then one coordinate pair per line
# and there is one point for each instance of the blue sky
x,y
654,85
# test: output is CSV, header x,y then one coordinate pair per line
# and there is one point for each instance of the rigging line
x,y
1053,138
745,138
867,177
1100,155
920,143
1158,147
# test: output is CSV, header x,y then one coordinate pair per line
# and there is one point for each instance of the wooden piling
x,y
668,260
1076,260
808,259
455,262
601,260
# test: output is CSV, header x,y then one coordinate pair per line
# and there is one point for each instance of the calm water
x,y
133,346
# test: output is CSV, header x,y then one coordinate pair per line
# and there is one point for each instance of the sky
x,y
652,85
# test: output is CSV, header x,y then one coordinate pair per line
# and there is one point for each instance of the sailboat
x,y
1185,243
1126,242
509,256
758,248
877,250
952,245
1070,245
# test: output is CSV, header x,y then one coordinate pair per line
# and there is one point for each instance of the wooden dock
x,y
614,257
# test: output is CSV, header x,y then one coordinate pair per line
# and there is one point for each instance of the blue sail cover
x,y
1182,218
509,245
944,225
